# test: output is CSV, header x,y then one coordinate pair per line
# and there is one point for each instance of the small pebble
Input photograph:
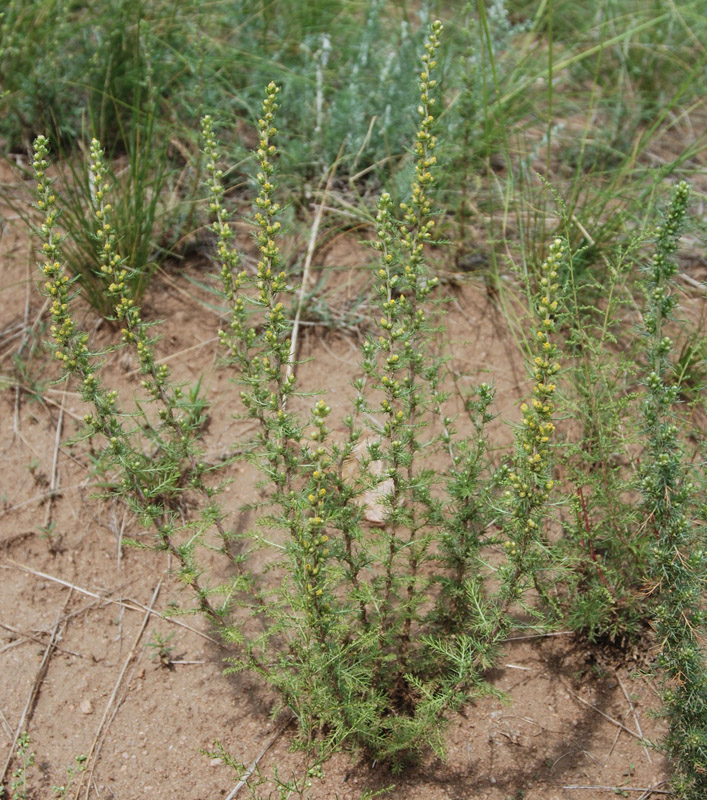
x,y
86,706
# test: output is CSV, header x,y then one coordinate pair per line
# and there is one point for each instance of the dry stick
x,y
116,707
6,725
635,716
55,463
606,716
251,769
103,727
133,605
28,636
305,272
34,691
49,401
538,636
619,789
611,750
692,281
649,791
16,643
119,537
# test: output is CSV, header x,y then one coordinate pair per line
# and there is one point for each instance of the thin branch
x,y
311,246
619,789
606,716
26,715
105,719
30,637
133,605
54,481
633,712
251,769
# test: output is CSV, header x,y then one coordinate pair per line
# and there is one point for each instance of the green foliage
x,y
136,74
25,758
162,649
148,217
154,478
71,771
676,524
63,64
353,640
602,536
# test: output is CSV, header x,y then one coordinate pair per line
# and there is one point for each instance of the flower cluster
x,y
529,479
70,348
245,293
416,213
145,482
117,277
227,255
402,283
70,344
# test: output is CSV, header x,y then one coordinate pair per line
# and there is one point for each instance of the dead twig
x,y
652,789
606,716
28,636
611,750
108,717
133,605
539,636
38,498
311,246
16,643
251,769
619,789
6,725
48,401
635,716
27,711
54,480
691,281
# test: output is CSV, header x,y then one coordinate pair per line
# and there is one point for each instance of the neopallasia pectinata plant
x,y
679,556
368,657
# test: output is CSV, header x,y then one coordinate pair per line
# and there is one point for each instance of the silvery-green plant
x,y
674,522
374,633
